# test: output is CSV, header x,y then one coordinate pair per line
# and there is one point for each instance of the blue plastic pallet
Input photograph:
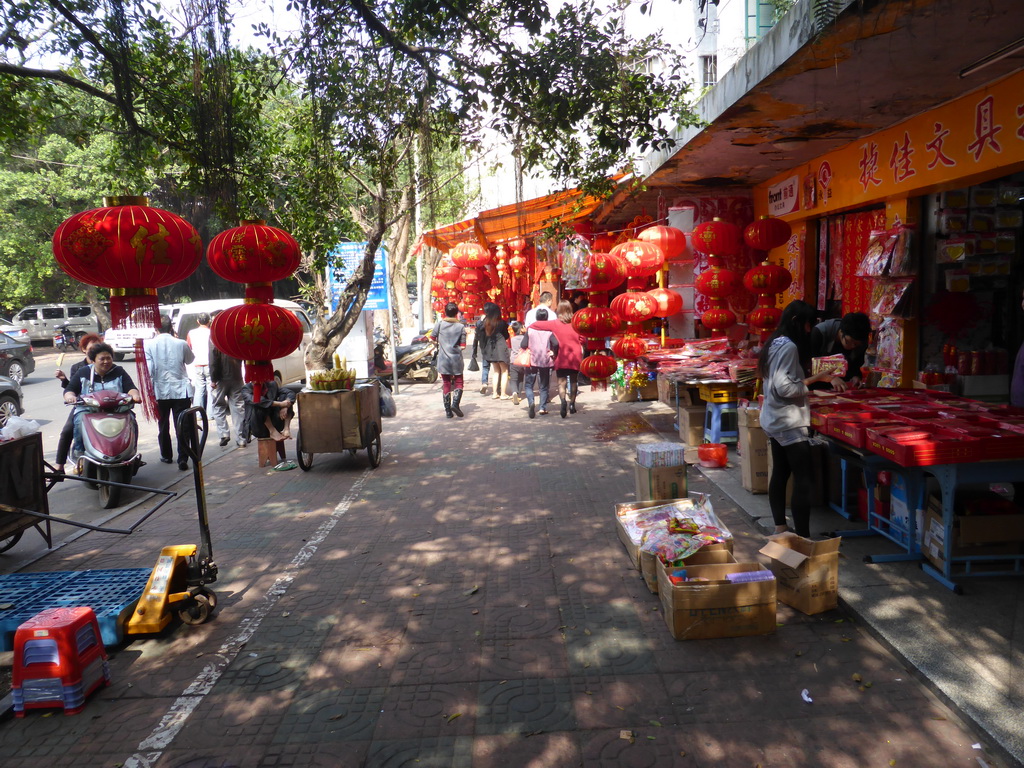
x,y
111,593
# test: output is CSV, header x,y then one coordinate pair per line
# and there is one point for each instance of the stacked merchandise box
x,y
709,554
660,471
647,523
691,424
753,448
807,572
718,601
975,535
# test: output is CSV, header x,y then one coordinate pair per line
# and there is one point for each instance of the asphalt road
x,y
72,499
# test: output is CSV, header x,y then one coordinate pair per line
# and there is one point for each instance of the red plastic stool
x,y
59,659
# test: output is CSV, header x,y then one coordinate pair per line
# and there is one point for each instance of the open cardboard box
x,y
807,572
700,610
709,554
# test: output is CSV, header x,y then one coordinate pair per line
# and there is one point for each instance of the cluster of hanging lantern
x,y
257,331
766,279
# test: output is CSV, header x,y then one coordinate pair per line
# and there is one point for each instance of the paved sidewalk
x,y
468,604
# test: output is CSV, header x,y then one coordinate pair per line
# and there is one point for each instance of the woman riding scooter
x,y
102,373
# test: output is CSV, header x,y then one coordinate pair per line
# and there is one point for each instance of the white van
x,y
41,320
185,317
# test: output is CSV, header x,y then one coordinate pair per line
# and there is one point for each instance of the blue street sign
x,y
342,262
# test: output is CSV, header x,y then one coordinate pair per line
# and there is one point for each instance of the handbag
x,y
473,364
522,358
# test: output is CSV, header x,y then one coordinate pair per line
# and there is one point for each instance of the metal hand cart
x,y
339,420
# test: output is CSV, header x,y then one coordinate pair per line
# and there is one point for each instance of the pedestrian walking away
x,y
167,358
569,357
543,346
478,331
226,381
450,336
786,415
199,342
494,347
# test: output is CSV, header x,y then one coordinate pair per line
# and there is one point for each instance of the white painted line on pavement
x,y
170,725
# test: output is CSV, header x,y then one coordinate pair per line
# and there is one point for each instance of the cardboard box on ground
x,y
807,572
626,395
974,535
715,607
691,424
753,450
709,554
659,483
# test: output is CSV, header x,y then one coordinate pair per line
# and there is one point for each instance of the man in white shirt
x,y
166,358
547,301
199,341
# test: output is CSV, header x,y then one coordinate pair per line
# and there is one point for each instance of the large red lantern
x,y
131,249
716,282
717,237
670,240
669,302
596,322
603,243
598,368
717,319
606,271
256,333
764,319
518,263
470,255
766,233
767,278
254,253
635,307
643,259
448,272
629,347
475,280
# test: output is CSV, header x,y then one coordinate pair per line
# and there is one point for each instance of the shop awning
x,y
524,219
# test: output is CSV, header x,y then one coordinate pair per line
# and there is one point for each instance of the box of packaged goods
x,y
992,535
637,521
753,450
657,483
806,572
709,554
701,602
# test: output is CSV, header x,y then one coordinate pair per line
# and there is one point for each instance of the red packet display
x,y
833,364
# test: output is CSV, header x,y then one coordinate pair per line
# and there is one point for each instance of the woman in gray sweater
x,y
786,414
450,336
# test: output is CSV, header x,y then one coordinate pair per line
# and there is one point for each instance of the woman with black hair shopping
x,y
450,336
786,414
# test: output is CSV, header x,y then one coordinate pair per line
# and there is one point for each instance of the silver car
x,y
10,400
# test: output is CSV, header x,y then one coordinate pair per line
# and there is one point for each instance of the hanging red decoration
x,y
606,271
256,333
717,319
596,322
764,319
252,252
670,240
635,306
603,243
766,233
470,255
716,282
767,278
438,305
475,280
717,237
131,249
629,347
598,368
517,263
741,302
437,284
642,259
448,272
669,302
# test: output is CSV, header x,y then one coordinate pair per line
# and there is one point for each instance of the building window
x,y
709,70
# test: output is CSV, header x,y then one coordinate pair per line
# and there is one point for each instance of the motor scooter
x,y
64,338
414,361
110,438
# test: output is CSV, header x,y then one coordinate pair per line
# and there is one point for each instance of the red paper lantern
x,y
470,255
437,284
252,252
517,263
131,249
767,278
448,272
643,259
764,319
256,333
596,322
767,232
475,280
669,302
717,283
670,240
717,237
606,271
438,305
718,319
603,243
629,347
635,307
598,367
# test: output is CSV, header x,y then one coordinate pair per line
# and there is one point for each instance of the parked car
x,y
16,332
10,400
16,358
185,317
122,340
42,320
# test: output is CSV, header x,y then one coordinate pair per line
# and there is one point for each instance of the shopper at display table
x,y
847,336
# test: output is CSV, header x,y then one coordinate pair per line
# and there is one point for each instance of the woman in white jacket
x,y
786,414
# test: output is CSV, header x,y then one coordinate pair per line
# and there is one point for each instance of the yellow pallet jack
x,y
178,582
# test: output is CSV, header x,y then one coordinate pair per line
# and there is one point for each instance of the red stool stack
x,y
59,660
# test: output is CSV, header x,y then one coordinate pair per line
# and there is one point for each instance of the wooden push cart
x,y
339,420
22,487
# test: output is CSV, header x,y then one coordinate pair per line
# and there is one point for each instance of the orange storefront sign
x,y
980,133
